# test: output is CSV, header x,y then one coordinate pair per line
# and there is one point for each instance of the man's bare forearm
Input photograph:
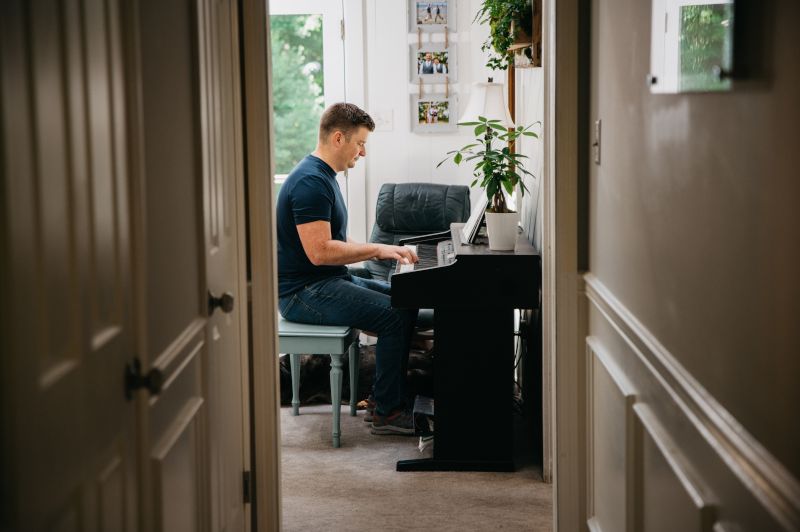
x,y
338,253
321,249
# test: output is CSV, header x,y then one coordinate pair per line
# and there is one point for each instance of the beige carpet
x,y
356,487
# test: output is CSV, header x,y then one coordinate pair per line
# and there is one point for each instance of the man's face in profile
x,y
356,146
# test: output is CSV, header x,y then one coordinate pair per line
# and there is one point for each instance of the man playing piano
x,y
313,248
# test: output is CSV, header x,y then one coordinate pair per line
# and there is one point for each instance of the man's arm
x,y
322,249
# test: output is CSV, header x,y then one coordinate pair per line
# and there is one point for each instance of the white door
x,y
68,431
194,432
223,200
120,191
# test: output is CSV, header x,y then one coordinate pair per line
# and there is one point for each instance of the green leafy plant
x,y
505,19
496,168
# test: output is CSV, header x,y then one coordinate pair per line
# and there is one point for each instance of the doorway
x,y
259,119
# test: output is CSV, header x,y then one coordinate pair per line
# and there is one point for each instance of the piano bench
x,y
297,339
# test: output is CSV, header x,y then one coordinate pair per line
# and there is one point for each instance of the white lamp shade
x,y
487,100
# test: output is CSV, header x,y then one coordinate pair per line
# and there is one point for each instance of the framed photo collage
x,y
434,65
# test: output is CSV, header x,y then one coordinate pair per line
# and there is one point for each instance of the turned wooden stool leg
x,y
354,362
294,366
336,396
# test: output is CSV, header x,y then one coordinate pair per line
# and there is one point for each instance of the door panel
x,y
172,167
177,466
192,168
110,494
171,229
222,176
68,456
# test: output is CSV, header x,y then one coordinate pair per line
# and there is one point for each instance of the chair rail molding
x,y
763,476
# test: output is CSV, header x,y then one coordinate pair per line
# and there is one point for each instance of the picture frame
x,y
432,15
433,63
434,113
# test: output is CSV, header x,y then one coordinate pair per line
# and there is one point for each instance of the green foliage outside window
x,y
705,45
297,84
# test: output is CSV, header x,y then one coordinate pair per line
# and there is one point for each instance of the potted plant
x,y
498,170
508,23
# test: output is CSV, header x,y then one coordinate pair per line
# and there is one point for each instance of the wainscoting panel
x,y
663,454
176,465
610,431
671,495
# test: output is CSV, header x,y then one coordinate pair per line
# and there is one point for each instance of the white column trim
x,y
564,306
263,262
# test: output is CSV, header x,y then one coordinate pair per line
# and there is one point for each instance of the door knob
x,y
224,302
134,379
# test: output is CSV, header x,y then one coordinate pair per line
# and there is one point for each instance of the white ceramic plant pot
x,y
502,229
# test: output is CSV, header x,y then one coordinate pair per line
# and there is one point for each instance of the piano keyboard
x,y
429,255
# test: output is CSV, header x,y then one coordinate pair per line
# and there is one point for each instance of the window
x,y
298,86
307,74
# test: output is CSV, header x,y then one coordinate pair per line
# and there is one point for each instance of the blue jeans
x,y
364,304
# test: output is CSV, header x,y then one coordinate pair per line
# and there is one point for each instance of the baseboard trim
x,y
766,478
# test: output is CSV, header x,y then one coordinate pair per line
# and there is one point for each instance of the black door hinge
x,y
247,487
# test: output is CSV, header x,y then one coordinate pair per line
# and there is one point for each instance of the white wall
x,y
394,153
397,155
530,109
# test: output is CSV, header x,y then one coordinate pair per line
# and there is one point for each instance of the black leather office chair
x,y
412,209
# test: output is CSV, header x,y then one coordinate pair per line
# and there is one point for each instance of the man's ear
x,y
337,138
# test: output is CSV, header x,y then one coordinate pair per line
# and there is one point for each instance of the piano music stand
x,y
476,217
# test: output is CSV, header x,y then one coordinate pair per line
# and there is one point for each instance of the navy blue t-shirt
x,y
310,193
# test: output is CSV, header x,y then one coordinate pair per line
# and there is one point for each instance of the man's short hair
x,y
344,117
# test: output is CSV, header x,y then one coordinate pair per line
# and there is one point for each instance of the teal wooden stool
x,y
297,339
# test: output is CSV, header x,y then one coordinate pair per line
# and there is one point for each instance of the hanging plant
x,y
507,21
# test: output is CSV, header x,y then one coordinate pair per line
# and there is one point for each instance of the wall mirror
x,y
691,47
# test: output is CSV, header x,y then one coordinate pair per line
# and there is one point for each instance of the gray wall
x,y
693,217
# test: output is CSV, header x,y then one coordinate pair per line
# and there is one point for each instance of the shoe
x,y
369,416
398,422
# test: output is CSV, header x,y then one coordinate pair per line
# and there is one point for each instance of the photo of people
x,y
429,13
432,16
430,113
433,63
433,112
430,63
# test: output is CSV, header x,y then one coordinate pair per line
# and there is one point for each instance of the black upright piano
x,y
473,291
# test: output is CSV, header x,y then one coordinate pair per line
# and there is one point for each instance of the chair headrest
x,y
421,207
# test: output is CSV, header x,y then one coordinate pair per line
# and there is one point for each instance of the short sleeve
x,y
312,200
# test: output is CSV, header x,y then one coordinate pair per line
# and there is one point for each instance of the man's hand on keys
x,y
402,254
